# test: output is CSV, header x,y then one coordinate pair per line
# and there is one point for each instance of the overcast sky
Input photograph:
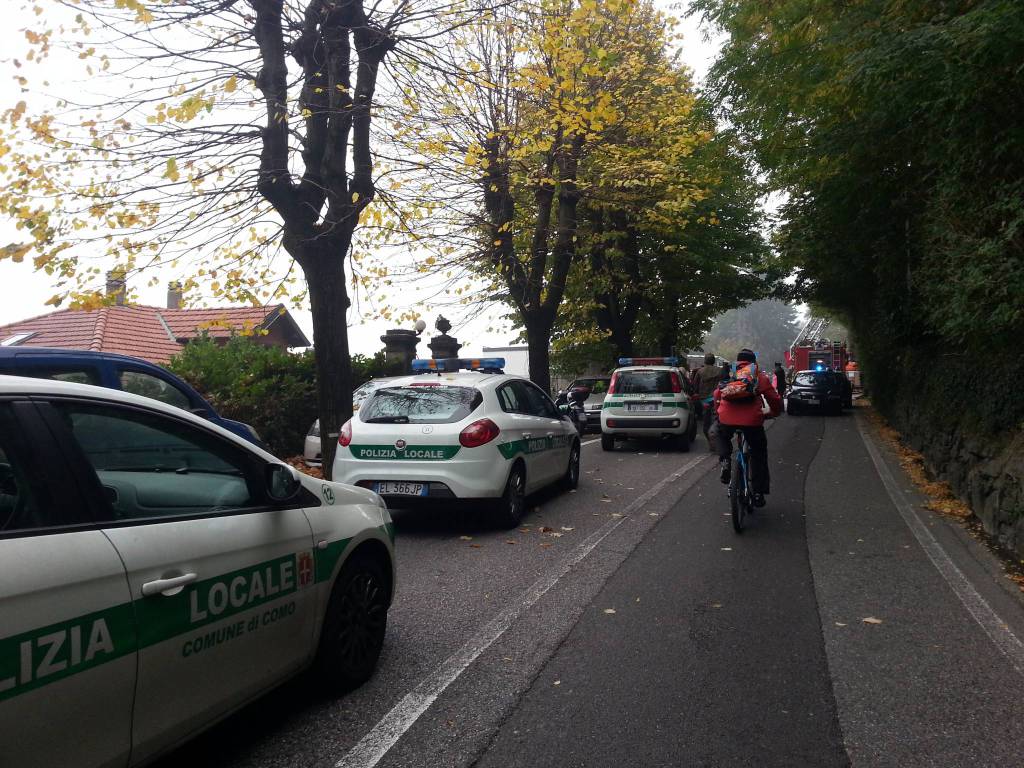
x,y
23,292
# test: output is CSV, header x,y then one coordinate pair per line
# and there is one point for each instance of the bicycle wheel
x,y
738,495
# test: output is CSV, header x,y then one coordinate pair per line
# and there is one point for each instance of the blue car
x,y
128,374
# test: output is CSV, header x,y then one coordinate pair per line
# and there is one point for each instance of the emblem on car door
x,y
428,429
400,444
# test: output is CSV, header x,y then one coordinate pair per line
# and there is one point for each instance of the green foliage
x,y
266,387
894,127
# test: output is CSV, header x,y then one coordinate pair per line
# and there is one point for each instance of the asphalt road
x,y
626,624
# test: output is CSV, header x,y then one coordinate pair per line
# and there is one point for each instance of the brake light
x,y
613,384
345,436
677,385
478,433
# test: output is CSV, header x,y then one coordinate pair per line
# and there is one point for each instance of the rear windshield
x,y
813,379
643,382
420,404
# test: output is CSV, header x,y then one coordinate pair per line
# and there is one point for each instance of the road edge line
x,y
998,630
379,740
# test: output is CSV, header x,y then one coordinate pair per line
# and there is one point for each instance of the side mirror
x,y
283,484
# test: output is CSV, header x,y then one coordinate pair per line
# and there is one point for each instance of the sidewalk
x,y
926,686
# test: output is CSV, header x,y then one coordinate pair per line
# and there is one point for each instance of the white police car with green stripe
x,y
157,572
648,397
443,435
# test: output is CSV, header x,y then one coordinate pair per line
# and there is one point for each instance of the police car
x,y
444,435
648,397
157,572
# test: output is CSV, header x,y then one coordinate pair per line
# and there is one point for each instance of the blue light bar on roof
x,y
648,361
452,364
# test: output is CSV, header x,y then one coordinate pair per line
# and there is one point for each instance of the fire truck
x,y
810,351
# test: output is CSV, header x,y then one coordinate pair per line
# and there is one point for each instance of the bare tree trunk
x,y
328,300
538,336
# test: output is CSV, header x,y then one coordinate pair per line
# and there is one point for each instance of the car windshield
x,y
596,386
813,379
643,382
420,404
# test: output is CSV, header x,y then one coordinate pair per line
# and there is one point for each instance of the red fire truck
x,y
811,352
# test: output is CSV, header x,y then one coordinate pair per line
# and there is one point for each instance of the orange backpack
x,y
743,384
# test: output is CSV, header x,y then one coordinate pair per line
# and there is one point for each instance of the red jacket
x,y
747,413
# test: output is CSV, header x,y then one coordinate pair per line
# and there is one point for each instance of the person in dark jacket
x,y
780,380
705,382
748,416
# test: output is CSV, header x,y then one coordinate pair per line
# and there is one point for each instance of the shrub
x,y
267,387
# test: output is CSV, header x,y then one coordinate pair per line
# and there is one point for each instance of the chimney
x,y
116,286
175,296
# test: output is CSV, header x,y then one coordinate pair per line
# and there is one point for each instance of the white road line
x,y
997,629
378,740
588,442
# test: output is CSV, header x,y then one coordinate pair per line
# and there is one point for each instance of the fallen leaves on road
x,y
511,541
716,605
546,529
840,624
466,538
546,544
557,682
871,620
609,610
727,549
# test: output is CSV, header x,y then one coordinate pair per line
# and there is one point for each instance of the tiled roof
x,y
151,333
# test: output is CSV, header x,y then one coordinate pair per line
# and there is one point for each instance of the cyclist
x,y
746,413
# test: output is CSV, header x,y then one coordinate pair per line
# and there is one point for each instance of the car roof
x,y
18,351
24,385
648,368
457,379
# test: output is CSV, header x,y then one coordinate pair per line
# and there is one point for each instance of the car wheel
x,y
512,504
683,442
607,442
571,478
355,625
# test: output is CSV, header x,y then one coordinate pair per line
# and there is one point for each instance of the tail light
x,y
677,384
479,433
345,436
612,386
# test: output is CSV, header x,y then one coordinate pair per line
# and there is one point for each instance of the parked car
x,y
444,436
157,572
598,386
312,450
824,391
121,372
648,397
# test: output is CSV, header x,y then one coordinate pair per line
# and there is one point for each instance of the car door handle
x,y
167,587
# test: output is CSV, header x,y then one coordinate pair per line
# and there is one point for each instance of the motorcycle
x,y
571,404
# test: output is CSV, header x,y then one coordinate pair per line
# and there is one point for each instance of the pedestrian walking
x,y
705,382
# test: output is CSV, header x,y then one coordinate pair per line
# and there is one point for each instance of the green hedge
x,y
269,388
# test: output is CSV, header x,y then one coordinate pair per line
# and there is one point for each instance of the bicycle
x,y
741,494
